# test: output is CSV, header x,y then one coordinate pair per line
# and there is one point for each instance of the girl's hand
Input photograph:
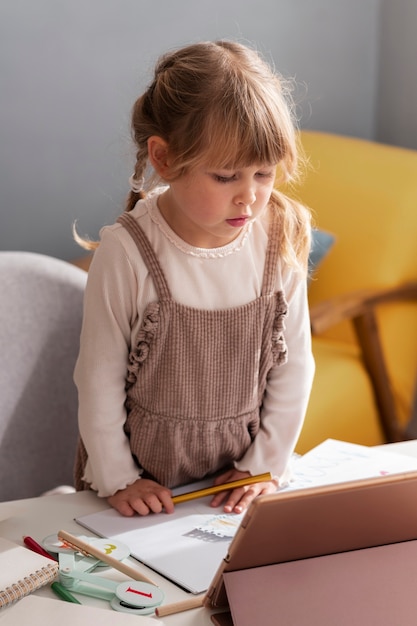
x,y
143,496
239,499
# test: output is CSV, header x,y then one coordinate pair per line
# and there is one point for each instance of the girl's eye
x,y
263,174
269,174
223,179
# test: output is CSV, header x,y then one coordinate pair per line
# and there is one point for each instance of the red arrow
x,y
140,593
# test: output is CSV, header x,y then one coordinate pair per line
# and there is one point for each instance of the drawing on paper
x,y
217,528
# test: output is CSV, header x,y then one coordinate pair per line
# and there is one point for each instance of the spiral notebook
x,y
22,572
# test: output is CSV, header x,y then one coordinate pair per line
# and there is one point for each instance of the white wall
x,y
71,69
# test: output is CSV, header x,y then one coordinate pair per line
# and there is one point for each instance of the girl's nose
x,y
246,196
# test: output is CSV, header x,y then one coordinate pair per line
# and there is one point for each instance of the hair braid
x,y
138,178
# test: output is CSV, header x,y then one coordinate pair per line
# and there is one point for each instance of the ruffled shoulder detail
x,y
279,345
144,339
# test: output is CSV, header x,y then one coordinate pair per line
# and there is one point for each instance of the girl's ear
x,y
158,156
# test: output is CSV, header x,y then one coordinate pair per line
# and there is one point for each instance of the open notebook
x,y
185,547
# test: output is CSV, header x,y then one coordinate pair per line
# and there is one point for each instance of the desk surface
x,y
40,517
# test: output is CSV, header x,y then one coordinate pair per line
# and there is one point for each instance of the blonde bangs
x,y
239,144
245,127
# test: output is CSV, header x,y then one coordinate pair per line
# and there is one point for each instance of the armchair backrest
x,y
40,322
366,194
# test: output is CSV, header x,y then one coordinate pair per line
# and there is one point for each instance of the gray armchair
x,y
40,322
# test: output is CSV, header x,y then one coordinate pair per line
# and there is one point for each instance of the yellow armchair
x,y
363,297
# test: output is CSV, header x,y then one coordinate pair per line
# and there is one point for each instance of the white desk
x,y
40,517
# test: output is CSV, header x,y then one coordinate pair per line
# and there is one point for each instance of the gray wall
x,y
71,69
396,110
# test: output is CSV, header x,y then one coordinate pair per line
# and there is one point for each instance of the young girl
x,y
195,355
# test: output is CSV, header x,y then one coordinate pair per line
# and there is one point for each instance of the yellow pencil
x,y
208,491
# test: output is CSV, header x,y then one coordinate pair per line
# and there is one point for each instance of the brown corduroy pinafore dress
x,y
196,378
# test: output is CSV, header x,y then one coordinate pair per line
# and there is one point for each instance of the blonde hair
x,y
219,103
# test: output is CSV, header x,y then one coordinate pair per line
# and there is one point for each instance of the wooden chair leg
x,y
366,328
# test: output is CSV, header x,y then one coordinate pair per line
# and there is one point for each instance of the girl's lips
x,y
237,222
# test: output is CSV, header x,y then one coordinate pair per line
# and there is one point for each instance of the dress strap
x,y
147,253
272,256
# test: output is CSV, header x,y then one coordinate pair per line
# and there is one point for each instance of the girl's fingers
x,y
142,497
140,506
239,500
122,507
166,501
219,498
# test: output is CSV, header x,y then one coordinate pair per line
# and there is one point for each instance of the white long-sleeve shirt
x,y
119,288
